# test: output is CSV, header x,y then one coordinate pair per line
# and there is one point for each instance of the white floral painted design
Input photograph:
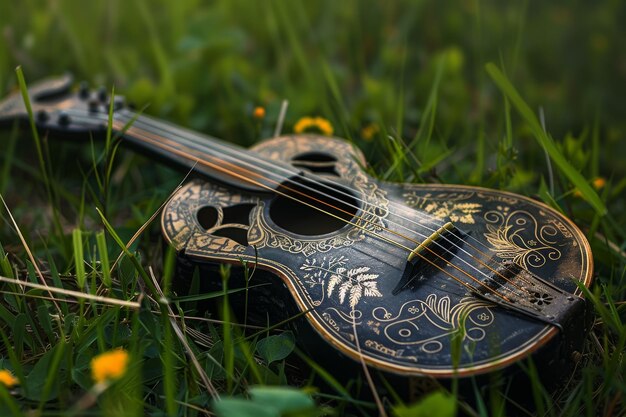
x,y
353,284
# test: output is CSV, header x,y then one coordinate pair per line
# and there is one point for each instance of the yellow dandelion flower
x,y
599,183
258,112
303,124
109,365
313,123
369,131
324,125
7,379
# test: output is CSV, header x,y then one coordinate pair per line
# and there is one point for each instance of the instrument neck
x,y
211,157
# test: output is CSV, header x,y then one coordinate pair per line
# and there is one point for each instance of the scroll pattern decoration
x,y
518,236
438,317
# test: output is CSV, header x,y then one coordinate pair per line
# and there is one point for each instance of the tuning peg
x,y
83,90
102,94
42,116
118,103
93,104
64,119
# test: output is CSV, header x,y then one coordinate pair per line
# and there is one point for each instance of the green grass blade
x,y
8,158
24,90
52,370
229,347
331,82
324,374
545,140
167,348
210,295
77,240
5,265
6,400
144,275
167,355
104,258
425,132
38,146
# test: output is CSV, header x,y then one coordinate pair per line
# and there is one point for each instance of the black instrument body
x,y
341,269
410,332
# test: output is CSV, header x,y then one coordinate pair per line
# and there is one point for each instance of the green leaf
x,y
437,404
284,399
6,315
36,381
213,366
545,140
276,347
82,378
144,275
239,407
547,198
68,323
8,404
44,320
5,264
53,381
19,331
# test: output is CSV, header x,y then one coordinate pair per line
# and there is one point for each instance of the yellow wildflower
x,y
599,183
258,112
7,379
303,124
316,123
109,365
369,131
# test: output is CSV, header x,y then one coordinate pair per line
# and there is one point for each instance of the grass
x,y
408,82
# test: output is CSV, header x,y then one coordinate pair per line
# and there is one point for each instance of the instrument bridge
x,y
504,283
433,253
518,289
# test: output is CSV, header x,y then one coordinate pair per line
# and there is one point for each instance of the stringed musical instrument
x,y
413,279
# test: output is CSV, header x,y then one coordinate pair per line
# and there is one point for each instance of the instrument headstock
x,y
59,108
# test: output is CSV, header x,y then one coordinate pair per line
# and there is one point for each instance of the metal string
x,y
139,121
195,138
158,142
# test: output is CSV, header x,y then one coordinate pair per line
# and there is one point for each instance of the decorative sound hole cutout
x,y
238,214
207,217
239,235
541,299
316,162
311,208
230,222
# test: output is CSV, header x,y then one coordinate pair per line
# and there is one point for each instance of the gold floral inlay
x,y
446,206
519,237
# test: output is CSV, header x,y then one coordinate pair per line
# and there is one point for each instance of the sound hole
x,y
207,217
316,162
310,208
239,214
233,233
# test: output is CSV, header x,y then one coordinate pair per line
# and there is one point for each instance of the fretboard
x,y
209,156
